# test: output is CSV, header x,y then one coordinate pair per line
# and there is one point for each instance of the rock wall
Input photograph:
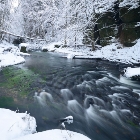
x,y
106,26
130,28
122,23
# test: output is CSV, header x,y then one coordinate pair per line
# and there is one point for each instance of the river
x,y
104,105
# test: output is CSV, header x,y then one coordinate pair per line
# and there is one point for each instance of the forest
x,y
73,22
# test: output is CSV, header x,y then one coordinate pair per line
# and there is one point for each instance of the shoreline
x,y
112,52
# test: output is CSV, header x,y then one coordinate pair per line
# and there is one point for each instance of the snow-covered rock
x,y
23,54
55,134
23,45
51,47
114,52
130,72
70,56
10,59
132,3
69,119
14,125
10,55
106,5
21,126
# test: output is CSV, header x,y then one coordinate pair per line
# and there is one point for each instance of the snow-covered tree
x,y
4,15
16,23
67,21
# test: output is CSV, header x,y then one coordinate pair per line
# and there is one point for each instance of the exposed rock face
x,y
119,22
129,15
130,30
23,49
106,26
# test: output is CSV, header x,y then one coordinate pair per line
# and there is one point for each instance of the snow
x,y
138,24
114,52
69,119
14,125
10,59
23,44
103,5
21,126
55,134
132,3
70,56
129,72
51,46
10,55
106,5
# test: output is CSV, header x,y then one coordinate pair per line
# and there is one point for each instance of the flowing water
x,y
104,105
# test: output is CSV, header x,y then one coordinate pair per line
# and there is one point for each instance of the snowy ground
x,y
10,55
55,134
14,125
129,72
114,52
21,126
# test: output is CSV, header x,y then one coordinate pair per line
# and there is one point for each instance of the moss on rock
x,y
21,80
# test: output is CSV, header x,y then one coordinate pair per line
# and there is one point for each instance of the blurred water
x,y
103,106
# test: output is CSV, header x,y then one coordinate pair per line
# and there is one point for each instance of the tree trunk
x,y
93,46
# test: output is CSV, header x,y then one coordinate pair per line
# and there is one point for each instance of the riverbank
x,y
10,55
79,78
22,126
14,124
114,52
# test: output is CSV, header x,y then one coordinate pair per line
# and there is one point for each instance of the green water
x,y
22,81
6,102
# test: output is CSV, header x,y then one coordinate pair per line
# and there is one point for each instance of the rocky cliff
x,y
121,20
130,25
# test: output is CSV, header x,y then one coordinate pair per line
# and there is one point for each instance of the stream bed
x,y
105,105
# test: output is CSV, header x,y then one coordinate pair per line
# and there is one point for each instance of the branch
x,y
19,35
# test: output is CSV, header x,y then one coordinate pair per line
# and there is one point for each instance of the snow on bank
x,y
14,125
129,72
70,56
10,55
55,134
23,45
113,52
21,126
51,46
